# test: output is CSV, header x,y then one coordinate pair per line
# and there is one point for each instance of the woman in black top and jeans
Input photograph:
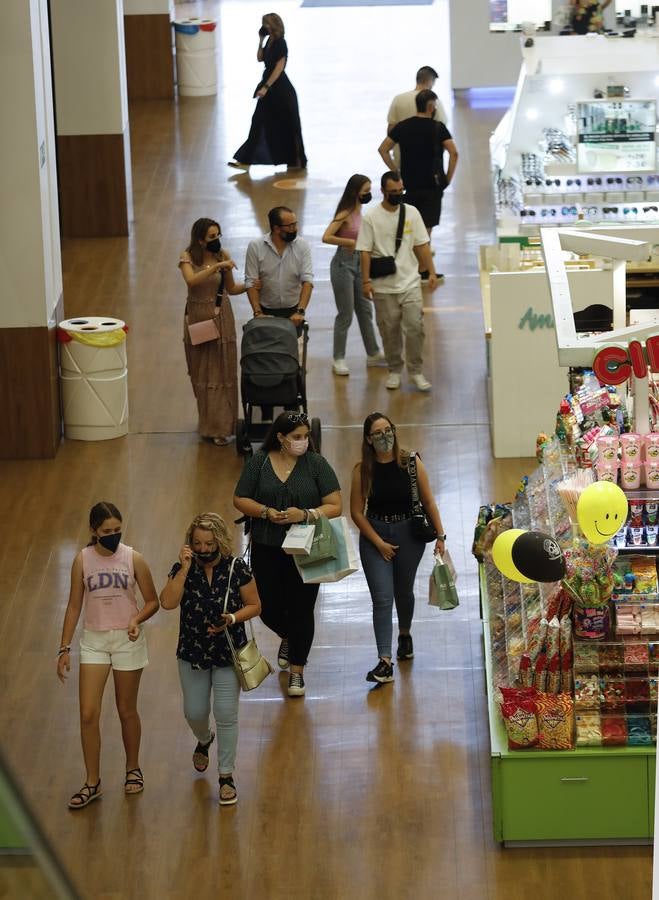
x,y
381,507
283,483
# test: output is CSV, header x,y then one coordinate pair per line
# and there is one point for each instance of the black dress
x,y
276,133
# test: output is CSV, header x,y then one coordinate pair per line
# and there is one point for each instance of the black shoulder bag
x,y
422,527
386,265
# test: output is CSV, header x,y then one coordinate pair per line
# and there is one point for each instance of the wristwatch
x,y
441,537
300,311
264,513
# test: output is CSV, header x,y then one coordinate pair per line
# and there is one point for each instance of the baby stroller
x,y
271,375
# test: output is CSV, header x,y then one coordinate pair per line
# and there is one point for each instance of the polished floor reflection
x,y
352,792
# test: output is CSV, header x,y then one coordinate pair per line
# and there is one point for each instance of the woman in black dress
x,y
276,134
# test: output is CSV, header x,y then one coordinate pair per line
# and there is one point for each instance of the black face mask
x,y
288,236
366,198
395,199
214,246
263,31
110,541
207,558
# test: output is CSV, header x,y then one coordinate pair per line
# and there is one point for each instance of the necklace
x,y
287,469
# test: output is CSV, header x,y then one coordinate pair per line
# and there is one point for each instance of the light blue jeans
x,y
197,685
391,582
346,278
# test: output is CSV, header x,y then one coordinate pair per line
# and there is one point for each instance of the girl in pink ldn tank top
x,y
103,579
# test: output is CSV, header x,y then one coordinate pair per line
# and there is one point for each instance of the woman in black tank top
x,y
381,507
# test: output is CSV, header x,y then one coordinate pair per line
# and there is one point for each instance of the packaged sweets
x,y
636,657
612,658
555,721
554,674
607,448
653,654
652,510
614,731
586,657
628,619
630,475
637,536
639,730
631,445
649,613
651,444
645,572
637,695
651,535
636,508
525,671
519,715
652,475
591,623
607,471
589,729
653,727
537,640
540,672
612,694
586,692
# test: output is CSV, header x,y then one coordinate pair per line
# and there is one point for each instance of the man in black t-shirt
x,y
422,142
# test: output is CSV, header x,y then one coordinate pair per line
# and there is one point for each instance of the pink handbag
x,y
202,332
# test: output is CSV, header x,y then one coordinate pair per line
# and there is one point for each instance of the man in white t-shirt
x,y
403,106
397,297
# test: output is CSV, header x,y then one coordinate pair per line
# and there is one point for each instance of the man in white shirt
x,y
403,106
397,297
282,262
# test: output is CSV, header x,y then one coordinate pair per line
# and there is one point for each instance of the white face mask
x,y
298,448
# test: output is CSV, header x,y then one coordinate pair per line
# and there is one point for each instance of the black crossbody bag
x,y
422,527
386,265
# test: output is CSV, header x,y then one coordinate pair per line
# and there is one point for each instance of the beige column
x,y
91,107
31,295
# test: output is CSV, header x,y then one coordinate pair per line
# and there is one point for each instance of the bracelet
x,y
258,312
233,619
306,516
264,512
63,650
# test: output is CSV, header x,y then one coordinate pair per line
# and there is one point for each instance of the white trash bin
x,y
94,379
196,72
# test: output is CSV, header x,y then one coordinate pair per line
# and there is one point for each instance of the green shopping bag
x,y
442,591
323,546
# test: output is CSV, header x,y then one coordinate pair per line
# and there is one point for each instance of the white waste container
x,y
94,378
196,73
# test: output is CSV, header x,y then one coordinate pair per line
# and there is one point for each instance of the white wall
x,y
30,268
89,62
480,58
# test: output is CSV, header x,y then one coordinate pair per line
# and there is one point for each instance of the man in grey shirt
x,y
282,262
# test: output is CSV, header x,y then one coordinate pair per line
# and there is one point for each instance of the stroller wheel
x,y
316,434
243,445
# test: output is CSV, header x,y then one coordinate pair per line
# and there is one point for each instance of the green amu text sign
x,y
535,320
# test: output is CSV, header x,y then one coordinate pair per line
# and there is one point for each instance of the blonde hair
x,y
211,522
275,23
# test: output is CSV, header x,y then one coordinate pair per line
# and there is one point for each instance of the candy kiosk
x,y
570,592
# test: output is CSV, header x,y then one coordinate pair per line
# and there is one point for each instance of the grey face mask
x,y
383,443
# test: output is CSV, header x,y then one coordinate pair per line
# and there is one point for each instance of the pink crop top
x,y
350,228
109,588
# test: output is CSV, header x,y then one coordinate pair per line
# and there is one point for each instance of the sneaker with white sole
x,y
383,673
378,359
296,684
393,381
421,383
282,656
339,367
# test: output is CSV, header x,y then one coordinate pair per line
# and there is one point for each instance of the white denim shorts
x,y
113,648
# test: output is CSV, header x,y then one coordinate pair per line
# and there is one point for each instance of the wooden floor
x,y
352,792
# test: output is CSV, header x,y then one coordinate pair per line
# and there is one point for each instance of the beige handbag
x,y
250,665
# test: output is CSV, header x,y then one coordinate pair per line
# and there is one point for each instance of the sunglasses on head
x,y
297,418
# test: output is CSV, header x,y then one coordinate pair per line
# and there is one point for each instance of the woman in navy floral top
x,y
198,583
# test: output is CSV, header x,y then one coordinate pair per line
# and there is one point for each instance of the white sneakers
x,y
393,381
421,383
378,359
339,367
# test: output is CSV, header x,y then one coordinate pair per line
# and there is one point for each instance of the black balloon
x,y
538,556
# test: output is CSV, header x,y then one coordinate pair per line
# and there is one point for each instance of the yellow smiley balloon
x,y
502,555
601,511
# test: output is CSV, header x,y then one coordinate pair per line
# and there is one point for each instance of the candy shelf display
x,y
572,720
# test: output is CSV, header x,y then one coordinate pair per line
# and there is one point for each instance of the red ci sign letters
x,y
613,365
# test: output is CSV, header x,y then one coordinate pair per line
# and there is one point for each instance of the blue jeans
x,y
346,278
391,582
197,685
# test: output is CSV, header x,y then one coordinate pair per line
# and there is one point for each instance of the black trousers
x,y
287,604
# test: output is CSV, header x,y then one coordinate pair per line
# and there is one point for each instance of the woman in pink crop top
x,y
346,276
103,579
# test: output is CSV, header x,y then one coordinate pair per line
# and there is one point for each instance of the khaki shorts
x,y
113,648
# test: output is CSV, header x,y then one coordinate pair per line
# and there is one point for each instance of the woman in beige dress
x,y
213,364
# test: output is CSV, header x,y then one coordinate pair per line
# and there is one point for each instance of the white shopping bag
x,y
299,539
330,570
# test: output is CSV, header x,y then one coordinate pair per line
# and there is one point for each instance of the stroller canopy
x,y
268,351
